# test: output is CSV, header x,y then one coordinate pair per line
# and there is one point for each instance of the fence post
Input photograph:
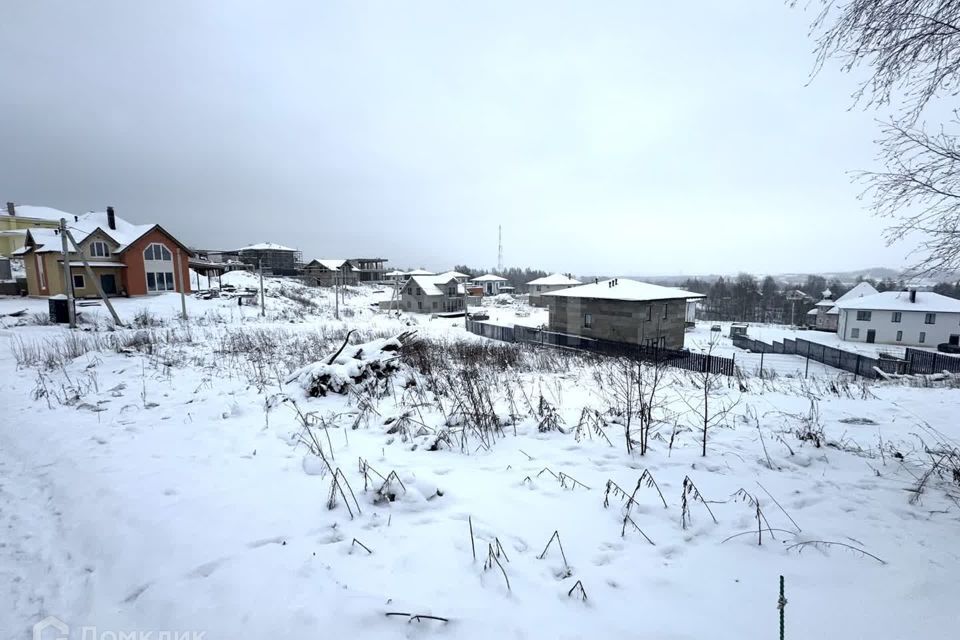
x,y
857,372
761,364
806,370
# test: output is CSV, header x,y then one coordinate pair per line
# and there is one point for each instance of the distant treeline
x,y
517,277
747,299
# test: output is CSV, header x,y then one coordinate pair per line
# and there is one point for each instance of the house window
x,y
78,282
587,320
854,333
419,304
899,336
434,304
99,249
666,308
923,337
930,318
538,288
649,312
897,316
158,263
160,281
157,252
41,274
864,316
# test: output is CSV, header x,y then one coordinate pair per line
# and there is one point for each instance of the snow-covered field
x,y
167,478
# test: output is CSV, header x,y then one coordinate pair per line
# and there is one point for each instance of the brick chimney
x,y
111,218
11,209
913,295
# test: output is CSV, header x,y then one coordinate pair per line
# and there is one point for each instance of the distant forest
x,y
742,298
746,299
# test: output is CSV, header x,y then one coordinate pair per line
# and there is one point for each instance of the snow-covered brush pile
x,y
351,365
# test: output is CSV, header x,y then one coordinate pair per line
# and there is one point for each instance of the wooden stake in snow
x,y
183,296
263,300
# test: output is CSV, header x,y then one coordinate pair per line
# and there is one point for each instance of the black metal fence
x,y
929,362
681,359
855,363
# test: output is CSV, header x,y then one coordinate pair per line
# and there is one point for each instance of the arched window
x,y
157,251
158,265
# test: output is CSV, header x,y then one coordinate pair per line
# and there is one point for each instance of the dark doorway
x,y
108,282
871,335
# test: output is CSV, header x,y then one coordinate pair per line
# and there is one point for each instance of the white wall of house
x,y
907,331
536,292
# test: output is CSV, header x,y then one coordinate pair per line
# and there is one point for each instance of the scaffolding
x,y
276,260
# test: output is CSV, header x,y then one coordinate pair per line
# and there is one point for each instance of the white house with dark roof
x,y
622,310
908,318
536,288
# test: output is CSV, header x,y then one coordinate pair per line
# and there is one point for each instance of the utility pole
x,y
183,296
93,278
67,278
263,300
336,294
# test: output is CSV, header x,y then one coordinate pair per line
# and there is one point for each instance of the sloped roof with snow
x,y
431,284
927,302
333,264
124,234
265,246
394,273
862,289
489,278
554,280
627,290
37,213
452,274
419,272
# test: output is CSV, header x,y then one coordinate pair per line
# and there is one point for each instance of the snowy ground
x,y
770,332
154,479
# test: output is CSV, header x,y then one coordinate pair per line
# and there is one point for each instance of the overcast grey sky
x,y
606,137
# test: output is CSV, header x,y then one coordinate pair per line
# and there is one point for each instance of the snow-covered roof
x,y
37,213
124,233
431,284
46,240
833,311
419,272
825,303
625,289
489,278
812,312
862,289
926,302
554,280
453,274
394,274
266,246
332,264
